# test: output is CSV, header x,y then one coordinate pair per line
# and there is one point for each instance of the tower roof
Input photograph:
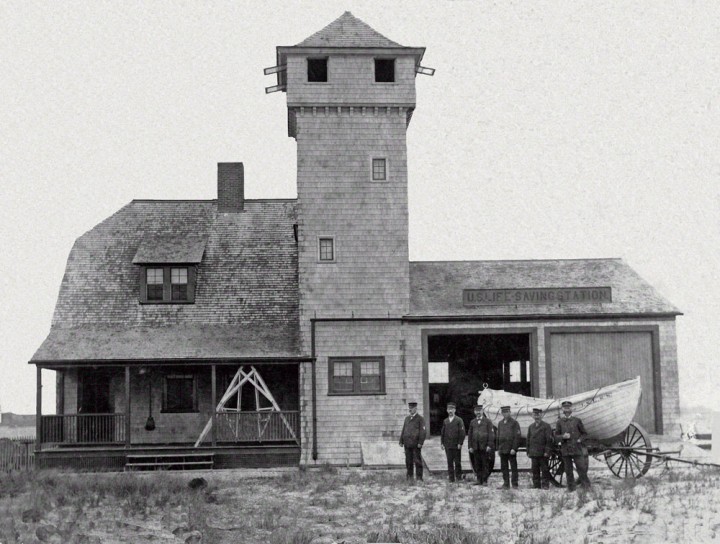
x,y
347,31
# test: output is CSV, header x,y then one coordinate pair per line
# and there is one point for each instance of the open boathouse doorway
x,y
459,364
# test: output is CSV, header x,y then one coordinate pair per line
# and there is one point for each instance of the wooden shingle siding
x,y
346,421
351,82
369,221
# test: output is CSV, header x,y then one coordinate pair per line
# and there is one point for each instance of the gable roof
x,y
347,31
246,297
436,288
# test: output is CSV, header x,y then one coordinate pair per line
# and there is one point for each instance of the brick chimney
x,y
231,187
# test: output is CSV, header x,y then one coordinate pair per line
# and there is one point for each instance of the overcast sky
x,y
550,130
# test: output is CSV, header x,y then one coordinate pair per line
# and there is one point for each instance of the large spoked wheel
x,y
625,457
555,465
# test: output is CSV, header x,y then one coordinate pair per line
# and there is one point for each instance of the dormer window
x,y
384,70
167,285
317,70
178,284
168,267
155,284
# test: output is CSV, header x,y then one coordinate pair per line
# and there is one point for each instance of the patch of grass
x,y
285,536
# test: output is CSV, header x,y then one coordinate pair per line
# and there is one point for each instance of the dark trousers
x,y
481,465
505,459
581,464
540,472
413,459
453,459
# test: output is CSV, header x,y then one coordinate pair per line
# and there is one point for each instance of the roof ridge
x,y
521,260
209,200
344,27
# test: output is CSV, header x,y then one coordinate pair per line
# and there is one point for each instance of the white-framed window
x,y
326,249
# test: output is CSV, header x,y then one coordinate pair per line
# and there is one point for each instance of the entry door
x,y
94,398
583,361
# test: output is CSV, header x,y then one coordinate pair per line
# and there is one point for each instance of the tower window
x,y
379,169
317,70
326,249
384,70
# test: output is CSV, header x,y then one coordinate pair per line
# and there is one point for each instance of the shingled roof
x,y
436,288
246,299
347,31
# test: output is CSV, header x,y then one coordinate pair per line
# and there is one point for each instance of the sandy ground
x,y
357,506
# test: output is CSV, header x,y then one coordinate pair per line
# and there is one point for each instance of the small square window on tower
x,y
379,169
317,70
384,70
326,249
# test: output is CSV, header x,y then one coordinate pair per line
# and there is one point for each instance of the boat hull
x,y
605,412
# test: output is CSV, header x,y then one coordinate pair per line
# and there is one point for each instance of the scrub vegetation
x,y
353,506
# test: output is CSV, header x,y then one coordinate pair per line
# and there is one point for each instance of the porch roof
x,y
181,342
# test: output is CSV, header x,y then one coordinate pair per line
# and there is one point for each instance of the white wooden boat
x,y
605,412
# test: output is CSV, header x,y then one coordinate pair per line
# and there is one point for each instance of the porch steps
x,y
170,461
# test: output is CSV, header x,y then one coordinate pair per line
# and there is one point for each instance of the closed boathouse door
x,y
581,361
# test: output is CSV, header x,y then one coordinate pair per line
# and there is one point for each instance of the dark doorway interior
x,y
459,365
94,392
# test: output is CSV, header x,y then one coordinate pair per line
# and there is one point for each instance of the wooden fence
x,y
17,454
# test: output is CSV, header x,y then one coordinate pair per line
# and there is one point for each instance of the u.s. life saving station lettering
x,y
541,295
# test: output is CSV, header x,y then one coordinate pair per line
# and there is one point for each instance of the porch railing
x,y
260,426
83,429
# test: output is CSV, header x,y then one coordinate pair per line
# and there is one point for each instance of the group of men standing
x,y
484,440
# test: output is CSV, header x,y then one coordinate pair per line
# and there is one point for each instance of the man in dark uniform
x,y
452,437
571,433
481,439
508,442
412,438
539,446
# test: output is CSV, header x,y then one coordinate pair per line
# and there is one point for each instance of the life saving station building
x,y
312,305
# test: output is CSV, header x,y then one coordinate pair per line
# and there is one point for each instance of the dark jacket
x,y
481,434
539,439
413,431
575,444
453,433
508,435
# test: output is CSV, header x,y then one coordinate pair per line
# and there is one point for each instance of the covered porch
x,y
234,412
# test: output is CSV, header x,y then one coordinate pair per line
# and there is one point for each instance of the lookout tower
x,y
350,98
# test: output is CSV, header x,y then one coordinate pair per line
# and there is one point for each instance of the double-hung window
x,y
326,249
379,169
167,284
356,375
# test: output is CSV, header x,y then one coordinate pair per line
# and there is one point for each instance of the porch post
x,y
128,414
38,409
213,405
